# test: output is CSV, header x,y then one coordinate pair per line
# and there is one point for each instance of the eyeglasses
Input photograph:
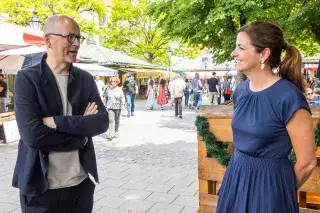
x,y
71,37
311,93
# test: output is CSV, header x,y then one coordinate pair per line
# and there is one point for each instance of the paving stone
x,y
8,207
110,210
136,177
11,197
188,209
165,208
159,188
111,191
184,200
135,185
18,210
135,195
157,180
162,197
176,181
180,190
111,202
97,196
137,205
113,183
96,207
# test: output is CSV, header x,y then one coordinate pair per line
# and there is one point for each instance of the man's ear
x,y
47,41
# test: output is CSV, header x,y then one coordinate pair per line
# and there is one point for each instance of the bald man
x,y
58,110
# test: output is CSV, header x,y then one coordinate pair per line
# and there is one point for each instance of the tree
x,y
132,30
214,23
20,12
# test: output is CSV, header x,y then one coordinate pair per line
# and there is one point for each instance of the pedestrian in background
x,y
226,89
58,110
197,89
187,93
3,94
100,85
151,94
162,97
115,102
178,86
131,89
213,89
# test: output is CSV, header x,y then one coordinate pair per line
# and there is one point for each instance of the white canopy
x,y
15,58
13,36
94,69
23,51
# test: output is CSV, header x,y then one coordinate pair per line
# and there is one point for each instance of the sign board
x,y
11,131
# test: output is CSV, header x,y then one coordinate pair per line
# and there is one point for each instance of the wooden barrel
x,y
210,172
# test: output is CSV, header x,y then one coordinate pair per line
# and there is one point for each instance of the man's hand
x,y
48,121
91,109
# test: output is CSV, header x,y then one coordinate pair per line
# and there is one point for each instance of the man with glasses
x,y
58,110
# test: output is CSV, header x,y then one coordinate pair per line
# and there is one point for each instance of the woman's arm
x,y
302,137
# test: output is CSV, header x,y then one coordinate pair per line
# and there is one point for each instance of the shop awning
x,y
94,69
13,36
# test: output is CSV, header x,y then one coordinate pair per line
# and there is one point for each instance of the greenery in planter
x,y
219,150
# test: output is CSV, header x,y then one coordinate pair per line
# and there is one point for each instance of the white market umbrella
x,y
14,36
94,69
15,58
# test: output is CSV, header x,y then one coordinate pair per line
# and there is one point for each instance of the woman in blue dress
x,y
271,116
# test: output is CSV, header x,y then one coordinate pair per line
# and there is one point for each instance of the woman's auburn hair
x,y
267,35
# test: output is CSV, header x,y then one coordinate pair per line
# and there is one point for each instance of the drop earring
x,y
262,65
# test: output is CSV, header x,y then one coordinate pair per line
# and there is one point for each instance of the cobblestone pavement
x,y
151,167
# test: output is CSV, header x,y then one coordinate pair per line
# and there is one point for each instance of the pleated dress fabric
x,y
260,177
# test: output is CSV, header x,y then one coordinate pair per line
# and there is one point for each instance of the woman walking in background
x,y
115,101
271,116
162,98
151,94
226,89
187,93
197,89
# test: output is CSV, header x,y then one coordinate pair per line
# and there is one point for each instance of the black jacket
x,y
37,96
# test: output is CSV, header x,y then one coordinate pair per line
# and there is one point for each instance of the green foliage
x,y
133,30
218,150
20,12
214,23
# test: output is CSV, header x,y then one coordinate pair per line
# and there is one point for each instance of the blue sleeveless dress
x,y
259,177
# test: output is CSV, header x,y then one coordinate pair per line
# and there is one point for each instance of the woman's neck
x,y
262,79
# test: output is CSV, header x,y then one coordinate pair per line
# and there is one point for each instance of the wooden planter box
x,y
210,172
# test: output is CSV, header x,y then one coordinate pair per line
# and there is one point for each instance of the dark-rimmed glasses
x,y
70,37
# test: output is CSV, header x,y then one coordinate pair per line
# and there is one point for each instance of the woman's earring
x,y
262,65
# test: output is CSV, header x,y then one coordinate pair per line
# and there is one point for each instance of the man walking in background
x,y
213,89
178,86
100,85
58,110
3,94
131,88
